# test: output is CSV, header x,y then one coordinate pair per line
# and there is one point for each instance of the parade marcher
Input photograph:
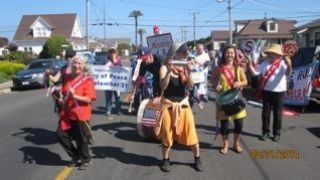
x,y
151,64
58,78
226,76
77,95
176,122
273,85
202,60
113,60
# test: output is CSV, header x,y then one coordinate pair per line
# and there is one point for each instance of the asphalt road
x,y
29,149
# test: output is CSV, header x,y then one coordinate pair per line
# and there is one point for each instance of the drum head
x,y
227,96
139,118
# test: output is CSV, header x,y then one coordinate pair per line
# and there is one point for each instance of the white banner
x,y
160,44
300,85
198,77
115,78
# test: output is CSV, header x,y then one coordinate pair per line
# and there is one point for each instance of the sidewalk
x,y
5,87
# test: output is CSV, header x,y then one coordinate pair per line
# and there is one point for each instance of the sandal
x,y
224,150
238,149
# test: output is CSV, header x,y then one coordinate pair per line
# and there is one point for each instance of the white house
x,y
308,35
34,30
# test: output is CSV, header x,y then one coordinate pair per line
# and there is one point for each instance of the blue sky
x,y
169,15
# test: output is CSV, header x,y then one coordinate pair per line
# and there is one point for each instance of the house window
x,y
30,49
25,49
317,38
272,26
43,32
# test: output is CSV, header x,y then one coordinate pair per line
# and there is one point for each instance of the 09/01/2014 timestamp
x,y
282,154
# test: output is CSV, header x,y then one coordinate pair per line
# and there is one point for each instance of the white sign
x,y
300,85
198,77
160,44
115,78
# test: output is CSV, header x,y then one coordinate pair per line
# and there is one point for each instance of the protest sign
x,y
290,48
198,77
115,78
160,44
300,85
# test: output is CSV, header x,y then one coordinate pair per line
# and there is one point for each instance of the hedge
x,y
9,69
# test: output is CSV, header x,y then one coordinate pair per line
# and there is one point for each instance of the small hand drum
x,y
231,102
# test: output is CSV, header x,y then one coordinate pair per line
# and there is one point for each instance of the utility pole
x,y
194,27
230,25
185,33
104,27
87,24
181,34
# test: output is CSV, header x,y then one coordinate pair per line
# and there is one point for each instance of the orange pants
x,y
188,135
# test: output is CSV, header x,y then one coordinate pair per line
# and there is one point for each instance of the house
x,y
3,46
308,35
219,39
273,30
114,42
34,30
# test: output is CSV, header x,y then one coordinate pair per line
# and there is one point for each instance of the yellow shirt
x,y
225,86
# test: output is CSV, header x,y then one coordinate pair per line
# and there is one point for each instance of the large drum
x,y
231,102
147,117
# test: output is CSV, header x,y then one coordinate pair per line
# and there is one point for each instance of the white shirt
x,y
278,80
201,59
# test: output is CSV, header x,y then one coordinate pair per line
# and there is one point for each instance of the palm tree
x,y
141,31
135,14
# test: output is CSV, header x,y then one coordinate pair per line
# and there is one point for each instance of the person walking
x,y
77,95
226,76
113,60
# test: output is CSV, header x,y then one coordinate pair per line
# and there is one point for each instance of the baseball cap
x,y
144,53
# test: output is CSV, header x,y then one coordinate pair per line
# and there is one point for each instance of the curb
x,y
6,87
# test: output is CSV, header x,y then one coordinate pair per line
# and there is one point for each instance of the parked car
x,y
34,73
100,60
87,55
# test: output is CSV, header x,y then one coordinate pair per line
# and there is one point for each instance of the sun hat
x,y
275,49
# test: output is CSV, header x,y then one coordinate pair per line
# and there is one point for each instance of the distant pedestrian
x,y
113,60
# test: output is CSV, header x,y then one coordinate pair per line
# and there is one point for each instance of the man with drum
x,y
176,122
272,88
151,64
229,75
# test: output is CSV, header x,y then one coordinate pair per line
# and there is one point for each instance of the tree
x,y
135,14
53,47
141,31
12,47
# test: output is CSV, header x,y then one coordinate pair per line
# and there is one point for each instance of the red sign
x,y
290,48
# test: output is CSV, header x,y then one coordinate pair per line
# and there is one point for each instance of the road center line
x,y
66,171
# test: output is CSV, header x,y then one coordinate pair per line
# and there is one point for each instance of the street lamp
x,y
229,12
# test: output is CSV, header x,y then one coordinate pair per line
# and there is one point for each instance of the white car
x,y
89,57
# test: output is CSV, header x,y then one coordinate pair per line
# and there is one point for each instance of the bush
x,y
19,57
8,69
53,46
3,77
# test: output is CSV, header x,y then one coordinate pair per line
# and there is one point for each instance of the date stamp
x,y
282,154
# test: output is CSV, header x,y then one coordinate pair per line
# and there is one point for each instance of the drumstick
x,y
130,107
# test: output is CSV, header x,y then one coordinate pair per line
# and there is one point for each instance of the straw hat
x,y
275,49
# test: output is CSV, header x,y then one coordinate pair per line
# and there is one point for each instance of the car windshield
x,y
38,65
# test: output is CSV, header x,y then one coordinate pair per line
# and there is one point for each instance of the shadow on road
x,y
122,130
41,156
315,131
37,136
124,157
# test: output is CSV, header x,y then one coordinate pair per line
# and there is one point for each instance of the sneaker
x,y
73,162
107,114
201,105
198,164
84,165
276,138
165,167
264,137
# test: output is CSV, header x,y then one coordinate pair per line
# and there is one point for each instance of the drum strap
x,y
226,71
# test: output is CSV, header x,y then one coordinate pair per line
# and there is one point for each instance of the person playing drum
x,y
226,76
176,121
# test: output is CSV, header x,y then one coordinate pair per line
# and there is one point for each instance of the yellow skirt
x,y
221,116
188,135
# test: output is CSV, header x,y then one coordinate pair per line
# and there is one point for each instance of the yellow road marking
x,y
66,171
